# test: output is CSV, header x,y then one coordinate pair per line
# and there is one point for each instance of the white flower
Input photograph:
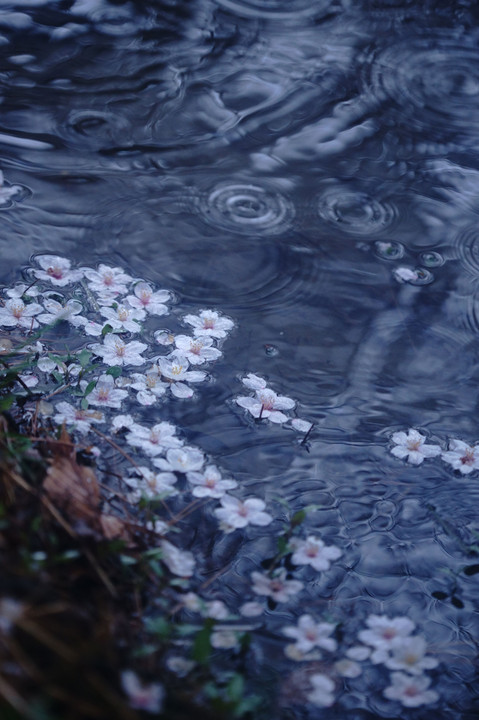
x,y
309,634
348,668
16,313
179,665
412,447
151,484
408,653
148,385
105,393
115,351
179,562
197,350
267,404
174,368
410,691
254,382
358,652
10,611
149,301
405,274
154,440
121,421
300,425
57,270
278,588
20,289
29,379
91,327
56,311
215,609
462,457
108,281
123,318
236,513
80,420
314,552
142,697
209,483
251,609
209,322
181,460
224,639
322,694
384,630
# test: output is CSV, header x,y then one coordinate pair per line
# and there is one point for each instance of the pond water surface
x,y
310,169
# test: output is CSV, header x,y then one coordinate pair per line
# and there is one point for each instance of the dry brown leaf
x,y
114,528
74,489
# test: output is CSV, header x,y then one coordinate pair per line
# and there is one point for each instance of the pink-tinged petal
x,y
180,390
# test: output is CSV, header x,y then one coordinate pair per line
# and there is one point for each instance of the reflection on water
x,y
311,170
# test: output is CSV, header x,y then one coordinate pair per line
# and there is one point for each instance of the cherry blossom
x,y
105,393
56,311
309,634
80,420
21,289
154,440
412,447
278,588
314,552
384,630
348,668
16,314
182,460
267,404
410,691
115,351
254,382
224,639
323,688
123,318
197,350
461,456
209,323
236,513
57,270
148,385
108,281
151,484
209,483
145,299
179,562
174,369
142,697
409,654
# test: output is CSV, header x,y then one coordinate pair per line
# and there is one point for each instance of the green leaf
x,y
202,645
114,371
89,388
298,518
84,404
106,329
235,688
84,357
159,626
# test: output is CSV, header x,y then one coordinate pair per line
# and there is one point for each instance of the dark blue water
x,y
311,170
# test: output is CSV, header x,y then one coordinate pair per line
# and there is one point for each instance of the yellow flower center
x,y
120,348
123,314
17,310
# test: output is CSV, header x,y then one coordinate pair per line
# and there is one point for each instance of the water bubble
x,y
431,259
248,209
389,250
416,276
354,212
271,350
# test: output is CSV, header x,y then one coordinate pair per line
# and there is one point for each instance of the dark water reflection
x,y
281,161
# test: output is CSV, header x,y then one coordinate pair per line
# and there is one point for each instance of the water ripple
x,y
247,209
432,79
276,9
354,212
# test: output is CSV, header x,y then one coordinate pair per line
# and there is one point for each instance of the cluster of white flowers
x,y
265,404
412,447
121,368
